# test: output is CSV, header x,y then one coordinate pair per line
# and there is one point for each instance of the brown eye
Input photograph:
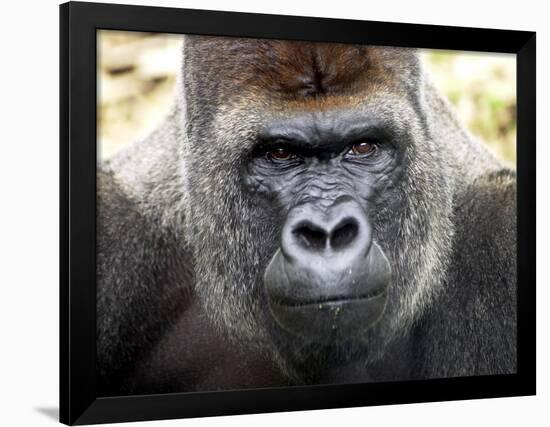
x,y
280,154
362,148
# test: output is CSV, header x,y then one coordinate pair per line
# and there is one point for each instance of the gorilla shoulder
x,y
486,220
474,318
138,264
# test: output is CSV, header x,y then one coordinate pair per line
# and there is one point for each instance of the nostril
x,y
310,236
344,234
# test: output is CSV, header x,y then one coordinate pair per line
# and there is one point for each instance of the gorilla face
x,y
304,208
321,172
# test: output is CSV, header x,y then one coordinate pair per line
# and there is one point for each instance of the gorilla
x,y
308,213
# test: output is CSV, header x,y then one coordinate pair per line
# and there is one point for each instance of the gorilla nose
x,y
315,236
311,232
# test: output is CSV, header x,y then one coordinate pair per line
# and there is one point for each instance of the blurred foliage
x,y
482,88
136,83
137,78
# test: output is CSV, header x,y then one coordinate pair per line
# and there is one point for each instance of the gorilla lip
x,y
343,299
331,320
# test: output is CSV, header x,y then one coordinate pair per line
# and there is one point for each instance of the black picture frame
x,y
79,403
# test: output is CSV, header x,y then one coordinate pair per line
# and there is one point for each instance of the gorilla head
x,y
317,204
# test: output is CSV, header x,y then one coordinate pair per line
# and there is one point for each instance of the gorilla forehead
x,y
292,69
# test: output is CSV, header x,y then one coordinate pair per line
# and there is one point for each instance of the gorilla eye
x,y
280,154
362,148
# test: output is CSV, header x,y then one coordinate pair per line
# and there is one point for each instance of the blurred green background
x,y
482,88
137,77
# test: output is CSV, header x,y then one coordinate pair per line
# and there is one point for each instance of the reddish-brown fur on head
x,y
310,69
291,69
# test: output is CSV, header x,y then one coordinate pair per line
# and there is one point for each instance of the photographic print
x,y
279,213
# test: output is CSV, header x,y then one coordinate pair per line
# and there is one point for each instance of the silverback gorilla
x,y
308,213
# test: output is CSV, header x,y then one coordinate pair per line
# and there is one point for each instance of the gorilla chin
x,y
328,281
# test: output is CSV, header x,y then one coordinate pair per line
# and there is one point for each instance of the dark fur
x,y
182,247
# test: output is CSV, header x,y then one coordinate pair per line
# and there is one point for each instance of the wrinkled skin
x,y
308,213
328,280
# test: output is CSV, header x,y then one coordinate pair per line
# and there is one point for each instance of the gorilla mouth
x,y
343,299
330,320
324,302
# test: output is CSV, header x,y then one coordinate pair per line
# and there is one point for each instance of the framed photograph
x,y
274,213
